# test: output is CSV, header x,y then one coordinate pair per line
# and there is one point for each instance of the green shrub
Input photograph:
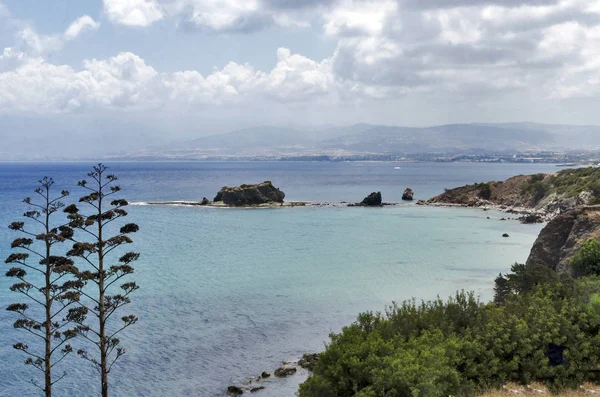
x,y
587,259
461,346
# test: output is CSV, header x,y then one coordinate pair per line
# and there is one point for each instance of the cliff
x,y
562,237
248,195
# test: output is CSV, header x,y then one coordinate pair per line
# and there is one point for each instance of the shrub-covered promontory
x,y
551,194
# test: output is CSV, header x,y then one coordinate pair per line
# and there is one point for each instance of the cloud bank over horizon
x,y
412,62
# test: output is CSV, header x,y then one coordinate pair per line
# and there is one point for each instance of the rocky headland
x,y
539,197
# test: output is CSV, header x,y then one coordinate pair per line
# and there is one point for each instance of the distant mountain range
x,y
367,139
84,138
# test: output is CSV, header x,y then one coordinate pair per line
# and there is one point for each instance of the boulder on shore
x,y
531,218
408,194
261,193
308,361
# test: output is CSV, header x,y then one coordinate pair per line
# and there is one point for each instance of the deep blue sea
x,y
228,293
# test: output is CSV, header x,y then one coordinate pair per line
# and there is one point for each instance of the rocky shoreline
x,y
254,384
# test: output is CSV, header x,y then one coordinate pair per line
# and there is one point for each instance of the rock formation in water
x,y
561,238
408,194
285,371
234,391
204,201
248,195
372,200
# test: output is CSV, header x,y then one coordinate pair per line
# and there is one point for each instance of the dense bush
x,y
587,259
462,346
485,191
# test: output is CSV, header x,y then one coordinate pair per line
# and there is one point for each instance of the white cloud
x,y
214,15
39,45
127,82
80,25
386,50
133,12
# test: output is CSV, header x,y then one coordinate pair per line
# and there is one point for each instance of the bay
x,y
228,293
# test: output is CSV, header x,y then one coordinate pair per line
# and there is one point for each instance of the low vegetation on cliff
x,y
539,331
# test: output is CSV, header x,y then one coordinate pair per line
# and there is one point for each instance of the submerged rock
x,y
408,194
255,389
261,193
284,371
505,235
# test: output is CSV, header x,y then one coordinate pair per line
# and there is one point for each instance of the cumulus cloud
x,y
389,48
386,50
133,12
215,15
127,82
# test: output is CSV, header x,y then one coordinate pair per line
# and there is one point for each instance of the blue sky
x,y
189,68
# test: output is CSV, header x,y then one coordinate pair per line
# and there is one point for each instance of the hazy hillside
x,y
62,139
446,138
565,136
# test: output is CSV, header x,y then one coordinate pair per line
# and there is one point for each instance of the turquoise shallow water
x,y
228,293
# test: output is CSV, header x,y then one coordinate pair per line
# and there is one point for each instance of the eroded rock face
x,y
262,193
561,238
408,194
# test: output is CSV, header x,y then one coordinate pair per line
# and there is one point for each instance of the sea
x,y
226,294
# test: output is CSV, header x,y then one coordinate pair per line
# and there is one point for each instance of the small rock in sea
x,y
255,389
372,200
408,194
265,375
204,201
421,202
505,235
488,217
308,361
282,372
502,219
234,391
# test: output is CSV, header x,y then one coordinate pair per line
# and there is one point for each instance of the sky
x,y
196,67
